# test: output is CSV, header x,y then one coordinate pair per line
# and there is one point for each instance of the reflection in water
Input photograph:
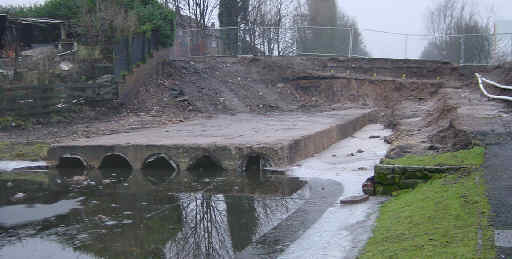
x,y
130,217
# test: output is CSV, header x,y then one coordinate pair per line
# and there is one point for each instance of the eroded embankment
x,y
432,106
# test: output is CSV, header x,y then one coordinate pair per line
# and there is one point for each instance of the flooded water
x,y
150,214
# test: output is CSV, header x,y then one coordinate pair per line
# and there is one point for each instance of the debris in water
x,y
18,196
355,199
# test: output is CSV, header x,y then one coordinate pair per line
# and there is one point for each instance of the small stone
x,y
387,140
334,155
351,154
363,169
369,186
360,151
372,137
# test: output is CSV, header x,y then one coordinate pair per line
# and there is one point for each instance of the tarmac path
x,y
498,173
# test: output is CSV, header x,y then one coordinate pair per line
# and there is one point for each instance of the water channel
x,y
158,213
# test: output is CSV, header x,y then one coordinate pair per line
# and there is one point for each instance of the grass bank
x,y
23,151
471,157
444,218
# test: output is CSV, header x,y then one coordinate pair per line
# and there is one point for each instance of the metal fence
x,y
264,41
333,41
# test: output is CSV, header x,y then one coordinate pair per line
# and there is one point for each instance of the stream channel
x,y
121,213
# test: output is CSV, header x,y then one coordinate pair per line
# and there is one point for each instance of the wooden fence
x,y
30,100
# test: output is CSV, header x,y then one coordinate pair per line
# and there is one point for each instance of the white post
x,y
350,44
461,50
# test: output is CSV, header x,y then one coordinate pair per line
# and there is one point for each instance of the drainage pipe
x,y
481,81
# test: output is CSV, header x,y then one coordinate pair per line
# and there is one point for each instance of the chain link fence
x,y
477,49
263,41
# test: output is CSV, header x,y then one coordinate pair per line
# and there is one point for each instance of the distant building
x,y
25,33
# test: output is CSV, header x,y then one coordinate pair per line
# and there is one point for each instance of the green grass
x,y
33,177
471,157
439,219
26,151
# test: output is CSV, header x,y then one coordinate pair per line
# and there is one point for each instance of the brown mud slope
x,y
432,106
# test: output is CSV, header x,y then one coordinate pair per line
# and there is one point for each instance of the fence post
x,y
406,45
350,44
461,62
296,40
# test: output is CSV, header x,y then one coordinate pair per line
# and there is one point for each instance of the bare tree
x,y
201,11
460,35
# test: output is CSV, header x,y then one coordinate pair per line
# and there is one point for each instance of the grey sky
x,y
403,16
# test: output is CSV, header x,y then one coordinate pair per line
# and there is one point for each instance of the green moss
x,y
472,157
23,151
439,219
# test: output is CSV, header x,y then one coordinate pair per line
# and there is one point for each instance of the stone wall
x,y
391,178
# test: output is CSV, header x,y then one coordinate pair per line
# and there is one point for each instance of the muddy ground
x,y
431,106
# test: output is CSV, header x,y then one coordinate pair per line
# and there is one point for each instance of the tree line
x,y
96,22
275,27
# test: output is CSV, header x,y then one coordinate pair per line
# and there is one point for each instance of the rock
x,y
10,184
106,79
333,155
374,137
65,65
355,199
369,186
351,154
360,151
388,140
78,179
18,197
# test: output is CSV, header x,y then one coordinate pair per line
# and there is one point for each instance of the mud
x,y
431,106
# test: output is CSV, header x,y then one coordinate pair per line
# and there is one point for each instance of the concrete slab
x,y
281,138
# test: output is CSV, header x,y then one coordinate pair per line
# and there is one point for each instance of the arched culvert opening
x,y
71,162
254,165
205,166
115,161
158,168
70,166
115,167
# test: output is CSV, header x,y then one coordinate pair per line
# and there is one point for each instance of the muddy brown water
x,y
134,214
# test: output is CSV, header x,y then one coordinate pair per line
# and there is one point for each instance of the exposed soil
x,y
432,106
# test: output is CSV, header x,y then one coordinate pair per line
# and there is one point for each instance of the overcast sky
x,y
403,16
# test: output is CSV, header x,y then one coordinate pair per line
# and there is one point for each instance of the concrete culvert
x,y
205,166
159,169
71,162
254,165
115,161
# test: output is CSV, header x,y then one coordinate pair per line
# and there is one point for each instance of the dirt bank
x,y
432,106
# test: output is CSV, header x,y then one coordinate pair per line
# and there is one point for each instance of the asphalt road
x,y
498,173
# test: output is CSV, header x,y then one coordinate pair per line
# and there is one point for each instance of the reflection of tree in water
x,y
204,233
242,220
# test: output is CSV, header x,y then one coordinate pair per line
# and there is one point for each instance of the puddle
x,y
7,166
123,213
112,214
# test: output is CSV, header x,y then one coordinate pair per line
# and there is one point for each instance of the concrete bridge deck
x,y
277,140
